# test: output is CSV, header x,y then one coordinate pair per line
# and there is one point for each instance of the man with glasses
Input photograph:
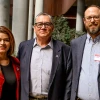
x,y
86,58
44,63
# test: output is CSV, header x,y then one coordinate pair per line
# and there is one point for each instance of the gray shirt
x,y
88,82
40,68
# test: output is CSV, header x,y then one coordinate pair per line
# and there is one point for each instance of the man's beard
x,y
94,30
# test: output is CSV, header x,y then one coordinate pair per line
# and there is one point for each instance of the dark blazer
x,y
60,73
77,46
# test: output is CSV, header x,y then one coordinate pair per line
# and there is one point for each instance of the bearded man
x,y
86,58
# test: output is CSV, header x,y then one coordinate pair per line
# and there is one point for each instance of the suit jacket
x,y
77,46
60,72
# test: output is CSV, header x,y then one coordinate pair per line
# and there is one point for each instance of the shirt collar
x,y
89,38
50,44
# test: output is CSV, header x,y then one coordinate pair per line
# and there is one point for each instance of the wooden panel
x,y
66,5
95,2
57,7
52,7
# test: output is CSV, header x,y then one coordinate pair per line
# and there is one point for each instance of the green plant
x,y
79,33
62,31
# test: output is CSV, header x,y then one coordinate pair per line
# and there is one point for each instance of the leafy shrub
x,y
62,31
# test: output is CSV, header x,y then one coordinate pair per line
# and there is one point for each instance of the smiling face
x,y
43,27
4,43
92,20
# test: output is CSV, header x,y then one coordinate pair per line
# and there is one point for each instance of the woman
x,y
9,67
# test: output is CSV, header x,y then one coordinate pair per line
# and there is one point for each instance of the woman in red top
x,y
9,67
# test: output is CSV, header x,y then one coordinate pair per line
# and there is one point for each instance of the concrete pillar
x,y
38,8
4,12
30,19
80,14
20,21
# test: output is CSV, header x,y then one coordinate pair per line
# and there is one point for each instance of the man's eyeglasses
x,y
89,18
46,24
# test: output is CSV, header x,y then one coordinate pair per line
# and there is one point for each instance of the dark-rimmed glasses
x,y
46,24
89,18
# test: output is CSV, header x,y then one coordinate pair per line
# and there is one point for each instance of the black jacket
x,y
59,73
